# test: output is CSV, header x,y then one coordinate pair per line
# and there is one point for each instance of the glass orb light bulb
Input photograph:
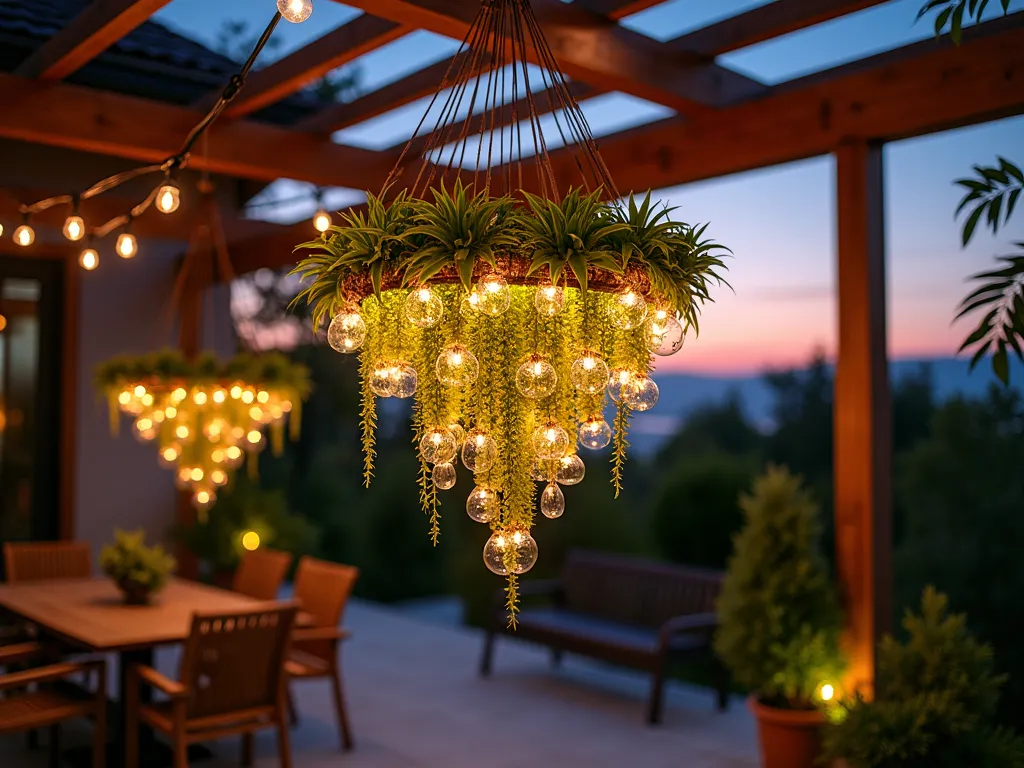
x,y
482,504
443,476
295,11
24,235
549,300
641,394
168,197
494,295
571,470
617,382
380,379
203,499
595,433
458,433
552,501
423,308
322,220
74,227
512,550
479,451
346,333
457,366
403,381
589,373
628,310
251,541
168,456
550,441
89,259
127,245
536,378
665,334
438,446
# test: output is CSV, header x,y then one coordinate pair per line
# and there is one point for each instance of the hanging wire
x,y
483,120
178,161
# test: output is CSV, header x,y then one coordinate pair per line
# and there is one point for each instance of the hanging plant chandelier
x,y
509,315
205,418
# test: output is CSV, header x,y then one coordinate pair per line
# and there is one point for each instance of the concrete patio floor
x,y
416,702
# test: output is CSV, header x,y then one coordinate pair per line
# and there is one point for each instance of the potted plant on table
x,y
779,619
936,698
139,571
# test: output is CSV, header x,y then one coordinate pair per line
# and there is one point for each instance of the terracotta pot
x,y
789,738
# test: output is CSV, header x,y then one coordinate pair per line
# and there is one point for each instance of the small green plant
x,y
243,508
138,570
574,233
937,693
780,620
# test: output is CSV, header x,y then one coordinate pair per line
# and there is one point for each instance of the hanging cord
x,y
177,161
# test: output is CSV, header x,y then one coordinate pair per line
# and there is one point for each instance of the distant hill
x,y
682,393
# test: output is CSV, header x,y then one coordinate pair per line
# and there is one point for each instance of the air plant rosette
x,y
206,418
510,323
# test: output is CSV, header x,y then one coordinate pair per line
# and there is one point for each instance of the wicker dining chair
x,y
232,682
261,573
36,698
322,590
45,560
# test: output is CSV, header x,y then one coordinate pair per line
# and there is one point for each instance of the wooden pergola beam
x,y
595,49
397,94
919,89
764,23
292,73
100,24
618,9
58,114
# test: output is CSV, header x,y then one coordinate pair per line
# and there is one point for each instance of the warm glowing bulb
x,y
589,363
456,358
196,475
827,692
168,198
262,396
550,292
236,392
251,540
254,436
424,294
170,454
199,398
124,398
295,11
219,396
248,397
170,412
181,432
74,227
24,235
127,245
322,221
203,497
139,390
144,424
219,477
255,413
629,298
234,453
179,394
89,259
146,399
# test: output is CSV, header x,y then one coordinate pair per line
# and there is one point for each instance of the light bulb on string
x,y
494,295
641,393
552,501
74,227
628,310
347,332
322,220
479,451
24,235
512,549
665,333
168,197
550,441
536,378
295,11
571,470
549,300
127,245
89,259
443,476
589,373
423,307
457,366
482,505
438,446
595,433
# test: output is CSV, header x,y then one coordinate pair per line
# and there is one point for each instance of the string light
x,y
1,230
251,541
74,226
127,245
295,11
168,198
89,259
322,220
24,235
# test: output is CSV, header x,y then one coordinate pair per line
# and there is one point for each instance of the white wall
x,y
123,308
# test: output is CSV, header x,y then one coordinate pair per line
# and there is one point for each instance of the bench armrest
x,y
162,683
695,622
11,654
50,673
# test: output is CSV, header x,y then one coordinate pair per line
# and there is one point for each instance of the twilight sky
x,y
779,222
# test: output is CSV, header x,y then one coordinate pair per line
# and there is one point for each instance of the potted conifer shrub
x,y
934,704
779,620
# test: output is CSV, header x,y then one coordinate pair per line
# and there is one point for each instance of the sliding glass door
x,y
31,302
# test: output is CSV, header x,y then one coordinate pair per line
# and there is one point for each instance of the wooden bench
x,y
630,612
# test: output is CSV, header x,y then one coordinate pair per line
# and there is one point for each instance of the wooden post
x,y
862,418
190,322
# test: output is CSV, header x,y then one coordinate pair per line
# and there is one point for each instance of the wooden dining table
x,y
91,614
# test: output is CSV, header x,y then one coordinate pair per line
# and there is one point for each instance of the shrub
x,y
937,693
779,617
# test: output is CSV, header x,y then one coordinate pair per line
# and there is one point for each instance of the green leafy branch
x,y
951,13
1002,326
987,192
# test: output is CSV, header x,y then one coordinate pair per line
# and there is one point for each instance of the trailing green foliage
x,y
778,612
1001,328
936,695
951,13
986,194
